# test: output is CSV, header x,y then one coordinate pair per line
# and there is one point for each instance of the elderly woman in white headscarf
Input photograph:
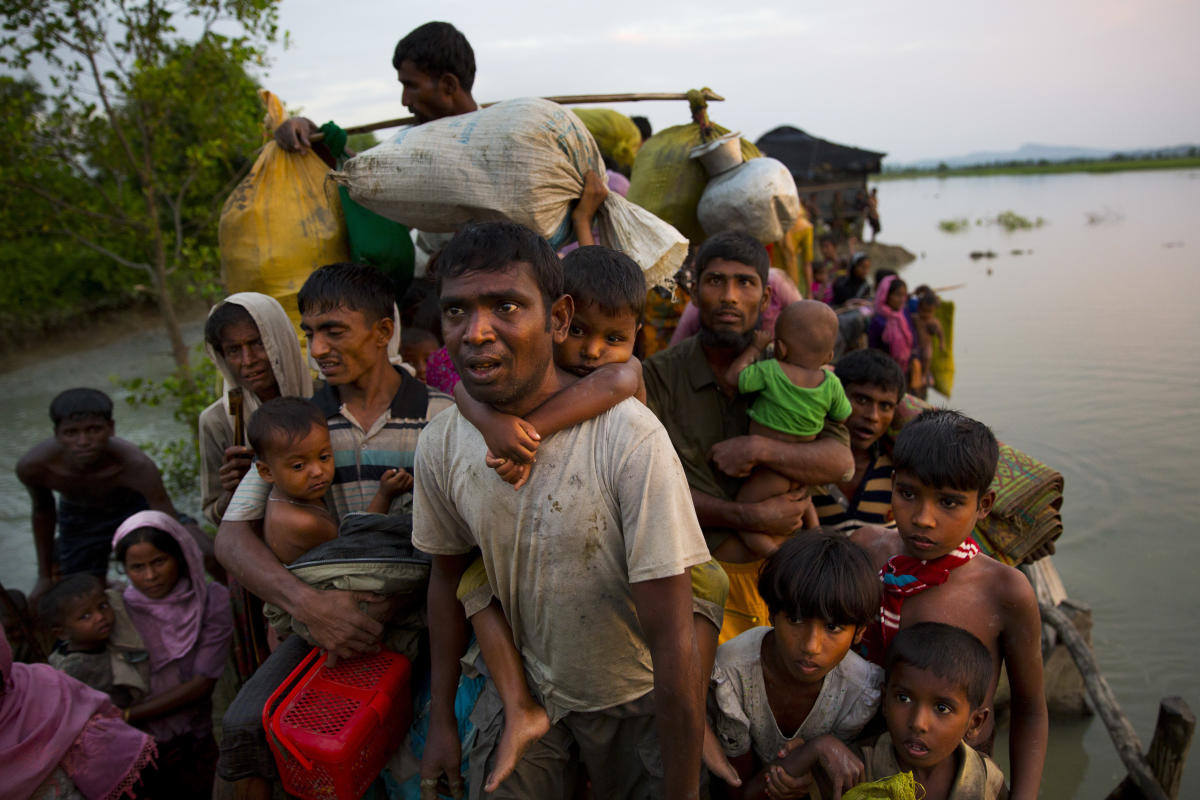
x,y
252,342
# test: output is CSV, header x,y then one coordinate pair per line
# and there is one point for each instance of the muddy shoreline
x,y
95,330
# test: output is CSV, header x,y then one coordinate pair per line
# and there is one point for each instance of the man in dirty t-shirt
x,y
589,560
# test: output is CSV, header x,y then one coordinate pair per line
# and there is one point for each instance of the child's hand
x,y
511,438
836,760
781,785
395,482
762,339
510,471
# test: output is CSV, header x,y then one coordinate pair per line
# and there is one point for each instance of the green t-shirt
x,y
783,406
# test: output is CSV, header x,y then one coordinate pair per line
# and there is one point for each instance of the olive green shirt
x,y
684,394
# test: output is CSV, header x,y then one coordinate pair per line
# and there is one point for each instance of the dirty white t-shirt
x,y
606,505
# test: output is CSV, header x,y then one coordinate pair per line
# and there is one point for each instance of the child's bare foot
x,y
715,759
521,729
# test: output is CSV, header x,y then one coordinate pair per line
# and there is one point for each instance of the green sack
x,y
896,787
666,182
615,133
380,242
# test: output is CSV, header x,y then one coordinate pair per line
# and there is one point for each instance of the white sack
x,y
521,160
757,197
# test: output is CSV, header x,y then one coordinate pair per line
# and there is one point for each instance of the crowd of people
x,y
717,570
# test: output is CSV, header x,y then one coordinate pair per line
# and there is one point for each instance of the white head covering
x,y
282,346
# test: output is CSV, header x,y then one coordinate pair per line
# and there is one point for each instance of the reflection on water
x,y
1081,353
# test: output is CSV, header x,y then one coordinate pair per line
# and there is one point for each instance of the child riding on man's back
x,y
795,395
932,572
290,437
609,294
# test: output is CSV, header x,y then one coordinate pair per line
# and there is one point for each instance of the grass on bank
x,y
1049,168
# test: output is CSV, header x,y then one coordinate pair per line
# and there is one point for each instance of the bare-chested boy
x,y
100,480
932,572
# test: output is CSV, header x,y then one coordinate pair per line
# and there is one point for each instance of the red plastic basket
x,y
332,730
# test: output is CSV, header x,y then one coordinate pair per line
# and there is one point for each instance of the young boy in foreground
x,y
938,678
609,294
290,437
932,572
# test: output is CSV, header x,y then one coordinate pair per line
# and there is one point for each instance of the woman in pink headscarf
x,y
890,330
186,625
62,739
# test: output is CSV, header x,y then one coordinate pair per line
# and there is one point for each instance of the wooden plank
x,y
1124,737
1168,749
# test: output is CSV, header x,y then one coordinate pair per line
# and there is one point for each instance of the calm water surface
x,y
1081,353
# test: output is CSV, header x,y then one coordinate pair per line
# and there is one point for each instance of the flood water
x,y
1082,353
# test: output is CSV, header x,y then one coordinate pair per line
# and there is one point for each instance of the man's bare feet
x,y
521,729
715,759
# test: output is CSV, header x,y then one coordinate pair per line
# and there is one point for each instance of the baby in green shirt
x,y
795,395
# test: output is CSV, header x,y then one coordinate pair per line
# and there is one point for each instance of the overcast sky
x,y
917,79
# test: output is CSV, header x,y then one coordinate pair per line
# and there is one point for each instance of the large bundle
x,y
281,222
667,181
521,160
757,198
616,134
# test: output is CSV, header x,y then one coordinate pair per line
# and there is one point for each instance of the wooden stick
x,y
236,402
1168,749
1125,739
562,99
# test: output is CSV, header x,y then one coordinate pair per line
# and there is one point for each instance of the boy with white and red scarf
x,y
932,571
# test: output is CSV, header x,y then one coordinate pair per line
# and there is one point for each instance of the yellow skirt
x,y
744,609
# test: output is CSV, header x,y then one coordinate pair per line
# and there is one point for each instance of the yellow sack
x,y
615,133
281,222
667,182
942,366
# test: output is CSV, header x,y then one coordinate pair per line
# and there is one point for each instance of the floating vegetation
x,y
1012,221
954,225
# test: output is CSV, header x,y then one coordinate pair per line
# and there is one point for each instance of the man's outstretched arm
x,y
664,607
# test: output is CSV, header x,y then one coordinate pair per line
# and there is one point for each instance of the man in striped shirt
x,y
875,385
375,413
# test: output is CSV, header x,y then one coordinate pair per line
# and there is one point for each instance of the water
x,y
1083,354
1080,353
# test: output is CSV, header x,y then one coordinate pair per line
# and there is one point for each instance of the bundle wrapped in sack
x,y
756,197
372,553
616,134
281,222
667,181
522,160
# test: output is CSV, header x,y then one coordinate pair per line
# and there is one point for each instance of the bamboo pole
x,y
1125,739
561,99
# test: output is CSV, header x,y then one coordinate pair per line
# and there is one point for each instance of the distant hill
x,y
1039,152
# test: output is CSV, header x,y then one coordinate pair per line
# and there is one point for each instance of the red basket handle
x,y
292,684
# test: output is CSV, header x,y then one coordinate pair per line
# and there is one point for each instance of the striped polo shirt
x,y
872,503
360,456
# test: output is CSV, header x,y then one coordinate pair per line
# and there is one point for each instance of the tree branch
x,y
63,205
99,248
